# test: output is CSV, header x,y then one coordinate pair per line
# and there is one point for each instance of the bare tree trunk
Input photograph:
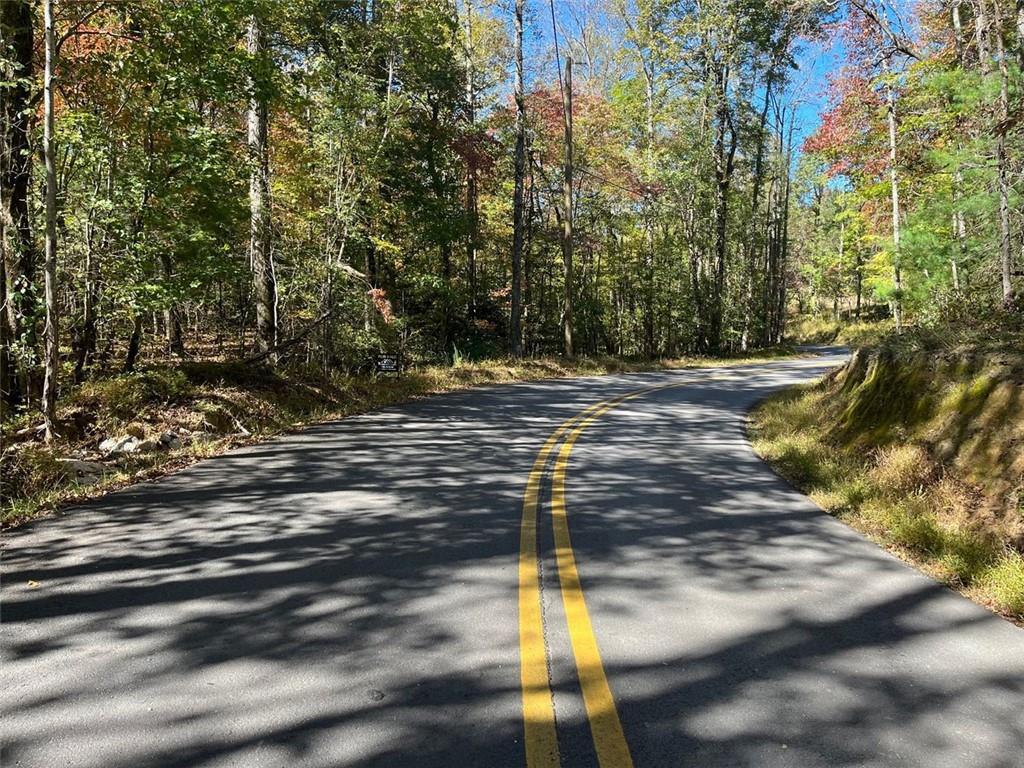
x,y
260,255
532,206
725,153
445,247
567,213
6,351
134,344
51,357
842,251
515,325
894,183
959,218
649,350
860,283
755,207
1005,259
981,36
1020,33
958,41
17,246
172,320
84,344
472,194
784,238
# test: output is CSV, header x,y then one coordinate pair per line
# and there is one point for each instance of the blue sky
x,y
816,60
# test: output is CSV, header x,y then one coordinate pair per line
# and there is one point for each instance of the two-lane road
x,y
360,594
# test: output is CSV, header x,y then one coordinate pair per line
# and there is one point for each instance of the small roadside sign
x,y
387,363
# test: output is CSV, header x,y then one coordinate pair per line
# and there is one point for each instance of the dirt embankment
x,y
964,411
922,449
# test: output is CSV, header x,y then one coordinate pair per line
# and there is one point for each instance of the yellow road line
x,y
605,727
538,707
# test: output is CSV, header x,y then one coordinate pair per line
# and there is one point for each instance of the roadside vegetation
x,y
919,443
125,428
811,329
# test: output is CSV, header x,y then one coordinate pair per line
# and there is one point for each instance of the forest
x,y
309,183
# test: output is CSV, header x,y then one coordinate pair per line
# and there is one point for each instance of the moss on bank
x,y
921,449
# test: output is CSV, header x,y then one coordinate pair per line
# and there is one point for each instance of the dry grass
x,y
809,329
921,453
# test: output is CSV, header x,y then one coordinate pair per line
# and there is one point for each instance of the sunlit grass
x,y
890,484
1005,582
812,329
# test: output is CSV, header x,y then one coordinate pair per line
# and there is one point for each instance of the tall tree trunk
x,y
260,254
1020,33
958,42
532,206
725,153
1005,259
515,325
85,342
755,206
7,363
472,194
445,246
842,252
981,36
51,357
17,246
860,283
649,349
567,215
959,217
894,185
696,307
784,237
172,320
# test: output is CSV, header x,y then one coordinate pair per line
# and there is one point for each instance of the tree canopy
x,y
315,181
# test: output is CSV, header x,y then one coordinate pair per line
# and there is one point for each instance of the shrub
x,y
123,397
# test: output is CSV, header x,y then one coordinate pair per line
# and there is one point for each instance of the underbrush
x,y
811,329
212,406
924,452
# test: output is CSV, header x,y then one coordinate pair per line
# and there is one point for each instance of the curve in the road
x,y
539,720
347,596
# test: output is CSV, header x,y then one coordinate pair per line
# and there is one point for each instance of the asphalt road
x,y
354,595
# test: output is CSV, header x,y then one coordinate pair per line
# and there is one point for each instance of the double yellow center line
x,y
538,707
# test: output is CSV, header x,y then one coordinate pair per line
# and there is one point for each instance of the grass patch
x,y
811,329
921,452
1005,582
214,406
